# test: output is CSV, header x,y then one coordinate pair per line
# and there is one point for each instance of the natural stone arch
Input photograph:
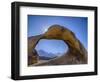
x,y
76,54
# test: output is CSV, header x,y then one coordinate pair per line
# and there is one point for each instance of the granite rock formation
x,y
76,53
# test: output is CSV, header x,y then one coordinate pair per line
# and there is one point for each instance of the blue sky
x,y
38,24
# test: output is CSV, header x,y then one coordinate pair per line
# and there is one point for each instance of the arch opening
x,y
49,49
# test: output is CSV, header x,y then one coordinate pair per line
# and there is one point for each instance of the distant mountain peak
x,y
44,53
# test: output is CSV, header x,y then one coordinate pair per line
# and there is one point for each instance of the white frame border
x,y
24,70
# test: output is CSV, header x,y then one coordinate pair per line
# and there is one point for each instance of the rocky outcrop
x,y
76,54
33,57
32,53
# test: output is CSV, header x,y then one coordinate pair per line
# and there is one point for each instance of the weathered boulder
x,y
33,56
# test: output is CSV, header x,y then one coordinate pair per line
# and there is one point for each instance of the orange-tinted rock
x,y
76,54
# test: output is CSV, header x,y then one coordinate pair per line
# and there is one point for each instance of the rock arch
x,y
76,54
